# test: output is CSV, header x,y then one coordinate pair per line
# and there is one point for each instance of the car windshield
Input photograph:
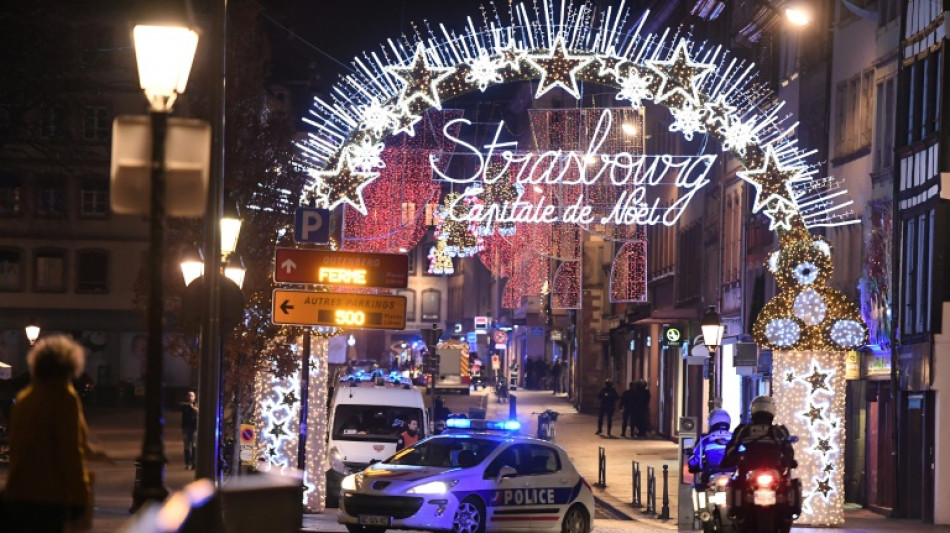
x,y
446,452
373,422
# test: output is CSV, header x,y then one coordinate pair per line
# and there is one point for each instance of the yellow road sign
x,y
365,311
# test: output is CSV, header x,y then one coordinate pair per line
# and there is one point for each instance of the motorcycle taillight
x,y
763,480
722,481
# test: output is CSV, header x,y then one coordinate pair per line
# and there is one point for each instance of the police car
x,y
470,482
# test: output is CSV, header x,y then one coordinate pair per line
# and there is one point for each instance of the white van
x,y
365,423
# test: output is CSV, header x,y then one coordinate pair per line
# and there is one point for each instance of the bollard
x,y
512,407
601,468
665,510
636,485
651,491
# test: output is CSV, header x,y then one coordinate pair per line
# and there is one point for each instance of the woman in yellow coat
x,y
48,483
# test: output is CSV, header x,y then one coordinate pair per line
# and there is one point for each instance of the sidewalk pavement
x,y
576,434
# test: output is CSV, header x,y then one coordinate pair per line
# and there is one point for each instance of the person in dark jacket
x,y
627,406
556,370
607,397
189,428
641,409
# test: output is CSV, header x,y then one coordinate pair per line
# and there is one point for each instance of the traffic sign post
x,y
312,225
311,308
350,269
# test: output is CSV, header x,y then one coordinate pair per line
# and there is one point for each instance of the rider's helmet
x,y
719,417
608,381
762,408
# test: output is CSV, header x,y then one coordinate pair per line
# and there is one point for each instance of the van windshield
x,y
374,422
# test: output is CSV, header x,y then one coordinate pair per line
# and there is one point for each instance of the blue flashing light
x,y
459,423
504,425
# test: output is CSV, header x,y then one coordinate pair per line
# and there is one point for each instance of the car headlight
x,y
349,482
336,460
433,487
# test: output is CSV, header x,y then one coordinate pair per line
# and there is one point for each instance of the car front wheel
x,y
470,517
575,521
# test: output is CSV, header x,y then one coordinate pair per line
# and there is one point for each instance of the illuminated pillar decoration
x,y
278,420
809,391
809,327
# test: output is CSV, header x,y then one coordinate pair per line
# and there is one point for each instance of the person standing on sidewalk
x,y
628,410
608,397
189,428
556,377
641,409
48,484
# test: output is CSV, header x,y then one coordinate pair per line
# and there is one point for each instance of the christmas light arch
x,y
707,92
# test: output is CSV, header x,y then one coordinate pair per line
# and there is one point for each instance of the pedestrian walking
x,y
628,410
608,397
48,484
641,409
189,428
556,370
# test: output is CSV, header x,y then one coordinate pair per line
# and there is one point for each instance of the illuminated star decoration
x,y
511,56
420,79
824,445
719,111
772,181
679,75
814,414
610,63
688,119
780,215
824,487
789,377
405,122
558,69
830,467
817,380
344,185
289,399
278,430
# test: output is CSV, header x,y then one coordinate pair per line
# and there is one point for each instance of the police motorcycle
x,y
711,479
762,496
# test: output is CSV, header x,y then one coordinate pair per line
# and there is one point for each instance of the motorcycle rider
x,y
760,439
711,448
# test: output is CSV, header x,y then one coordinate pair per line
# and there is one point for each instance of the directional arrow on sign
x,y
288,265
284,307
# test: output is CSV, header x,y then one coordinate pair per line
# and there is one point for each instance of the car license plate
x,y
764,497
372,520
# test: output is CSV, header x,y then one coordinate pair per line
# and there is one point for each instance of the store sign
x,y
852,365
672,336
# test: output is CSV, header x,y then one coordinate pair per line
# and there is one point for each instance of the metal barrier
x,y
601,468
665,510
636,485
651,491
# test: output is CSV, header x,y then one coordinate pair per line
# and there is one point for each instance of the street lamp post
x,y
164,49
431,337
32,332
196,310
713,329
